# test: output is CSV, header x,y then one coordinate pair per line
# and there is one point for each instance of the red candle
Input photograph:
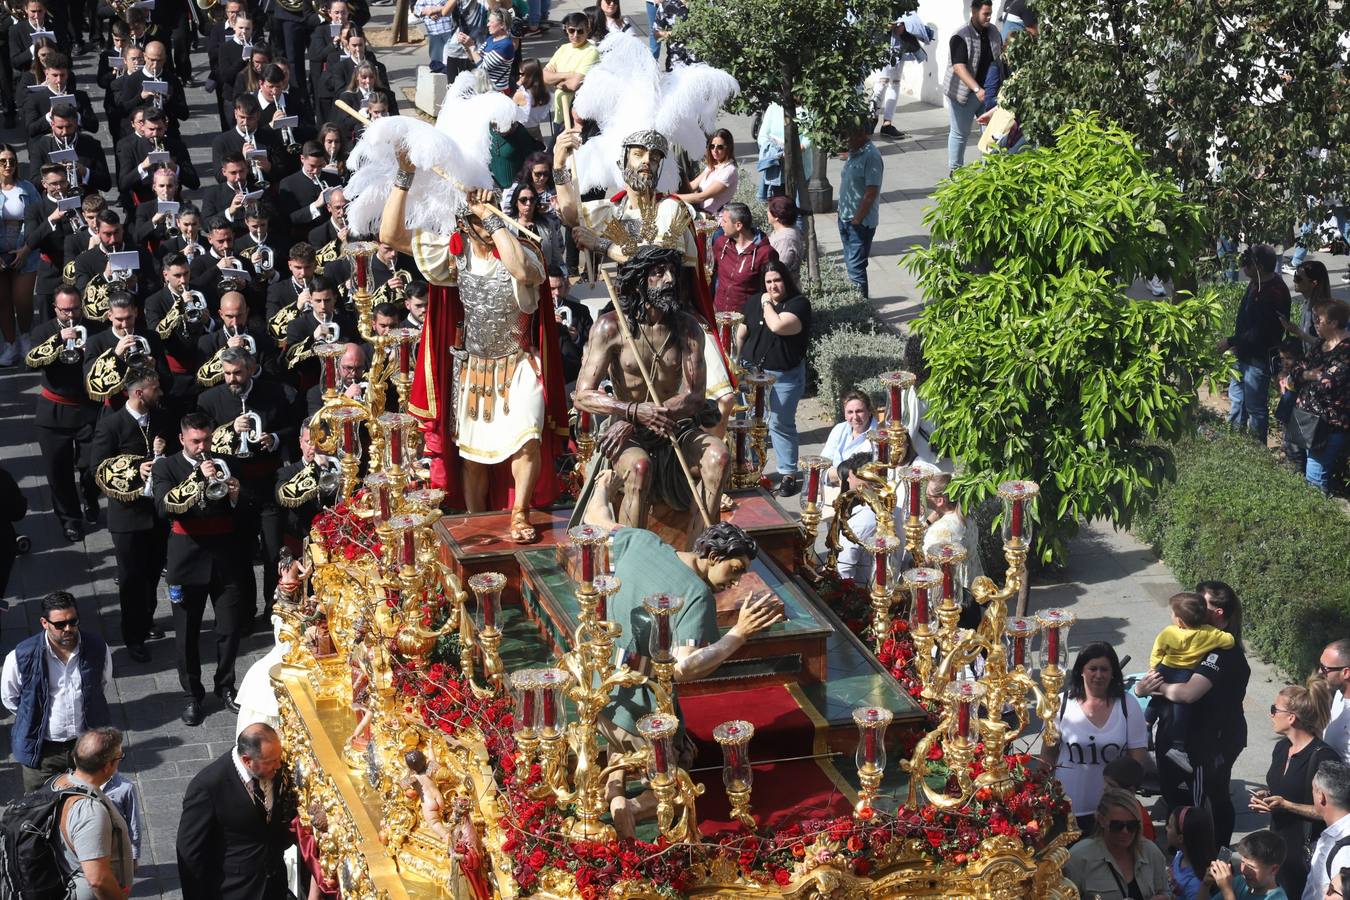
x,y
812,484
920,604
914,508
527,707
759,401
329,373
870,744
383,493
361,262
740,450
409,548
663,640
881,568
1052,646
947,585
895,404
1017,519
583,421
726,337
404,357
348,436
1019,651
489,610
587,563
601,608
396,446
963,719
883,448
550,707
659,755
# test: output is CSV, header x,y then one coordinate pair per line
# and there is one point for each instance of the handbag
x,y
1307,431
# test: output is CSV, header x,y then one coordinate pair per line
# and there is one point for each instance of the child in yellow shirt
x,y
1177,650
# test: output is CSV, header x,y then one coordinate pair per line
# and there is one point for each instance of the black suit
x,y
89,153
21,41
174,20
131,152
228,848
232,141
129,88
94,260
296,521
107,340
139,535
209,344
180,347
301,331
206,558
49,240
275,404
295,195
204,273
145,231
36,105
216,200
65,425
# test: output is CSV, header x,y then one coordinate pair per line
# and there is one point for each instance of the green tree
x,y
805,55
1041,365
1235,100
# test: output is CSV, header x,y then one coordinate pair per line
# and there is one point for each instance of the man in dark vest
x,y
56,683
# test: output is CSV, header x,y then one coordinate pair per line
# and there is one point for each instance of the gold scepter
x,y
651,390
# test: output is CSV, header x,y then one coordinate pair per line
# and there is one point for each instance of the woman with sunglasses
x,y
1115,863
608,18
1298,716
18,266
1097,723
716,184
525,210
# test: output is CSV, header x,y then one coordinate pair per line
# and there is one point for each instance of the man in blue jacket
x,y
56,683
1256,335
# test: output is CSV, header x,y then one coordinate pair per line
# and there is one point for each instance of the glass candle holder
x,y
525,690
606,586
921,583
897,385
360,253
1018,498
881,446
914,475
734,739
881,549
759,382
1055,637
394,426
552,712
966,693
659,732
1017,634
427,498
378,482
406,338
487,589
948,559
726,329
814,467
872,722
662,608
404,526
328,356
740,443
587,538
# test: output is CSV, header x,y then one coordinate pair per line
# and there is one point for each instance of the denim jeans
x,y
652,43
436,47
1227,250
1306,236
960,116
538,12
857,241
782,418
1249,399
1321,465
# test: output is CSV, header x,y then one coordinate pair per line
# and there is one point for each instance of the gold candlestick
x,y
737,773
870,757
487,589
661,647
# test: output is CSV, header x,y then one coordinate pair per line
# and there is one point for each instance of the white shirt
x,y
1337,732
1085,749
65,691
855,562
247,777
1316,887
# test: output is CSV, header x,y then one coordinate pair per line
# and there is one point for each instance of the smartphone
x,y
1224,855
1255,791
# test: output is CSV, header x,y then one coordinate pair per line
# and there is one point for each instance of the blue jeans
x,y
1227,249
782,418
538,12
436,47
1321,464
652,42
1249,399
1305,236
960,116
857,241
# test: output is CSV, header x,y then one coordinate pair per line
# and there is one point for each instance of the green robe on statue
x,y
646,565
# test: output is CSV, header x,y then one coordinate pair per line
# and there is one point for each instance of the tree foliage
x,y
1041,365
1235,99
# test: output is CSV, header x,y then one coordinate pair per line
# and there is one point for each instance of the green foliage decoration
x,y
1236,515
1041,364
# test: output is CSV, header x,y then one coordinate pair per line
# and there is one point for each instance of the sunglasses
x,y
63,624
575,30
1275,709
1323,669
527,201
1118,826
8,161
717,146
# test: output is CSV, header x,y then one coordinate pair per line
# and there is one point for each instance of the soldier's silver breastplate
x,y
493,323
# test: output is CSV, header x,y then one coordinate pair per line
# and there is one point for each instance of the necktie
x,y
258,799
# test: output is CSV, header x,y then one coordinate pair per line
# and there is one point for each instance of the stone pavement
x,y
1114,585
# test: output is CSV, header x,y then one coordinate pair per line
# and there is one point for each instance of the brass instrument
x,y
254,433
217,486
399,295
207,4
189,308
258,178
119,477
264,260
314,480
139,350
72,353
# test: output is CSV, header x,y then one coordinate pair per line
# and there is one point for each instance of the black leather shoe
x,y
227,697
74,533
193,714
138,652
91,513
155,634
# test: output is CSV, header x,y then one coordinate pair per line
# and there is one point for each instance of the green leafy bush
x,y
1236,515
849,357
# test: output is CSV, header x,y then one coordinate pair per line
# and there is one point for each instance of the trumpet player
x,y
258,245
89,171
65,415
244,137
45,231
320,322
237,328
132,91
187,237
304,488
204,273
56,83
255,418
137,168
205,560
125,345
126,445
226,196
180,316
97,263
301,194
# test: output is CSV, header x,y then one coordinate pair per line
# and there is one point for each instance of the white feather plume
x,y
627,92
451,157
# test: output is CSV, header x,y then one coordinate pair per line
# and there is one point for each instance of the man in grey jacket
x,y
971,51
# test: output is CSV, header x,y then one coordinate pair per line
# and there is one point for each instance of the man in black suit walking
x,y
235,823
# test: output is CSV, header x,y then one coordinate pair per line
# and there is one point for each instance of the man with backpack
x,y
66,839
56,683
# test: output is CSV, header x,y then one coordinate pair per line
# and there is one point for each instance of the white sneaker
x,y
1287,269
1156,287
1178,756
1345,277
9,354
25,346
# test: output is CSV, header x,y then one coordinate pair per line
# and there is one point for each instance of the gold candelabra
x,y
737,774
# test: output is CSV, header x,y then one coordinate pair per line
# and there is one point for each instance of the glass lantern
x,y
872,722
661,642
1017,635
1019,499
914,476
659,732
734,738
966,693
1055,637
897,385
487,588
921,583
525,691
552,716
948,559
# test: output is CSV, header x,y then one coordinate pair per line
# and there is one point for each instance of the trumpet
x,y
329,477
258,178
217,486
192,249
248,342
140,349
73,352
254,433
264,259
194,307
329,333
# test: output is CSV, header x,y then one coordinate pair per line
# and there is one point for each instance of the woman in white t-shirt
x,y
1097,724
716,184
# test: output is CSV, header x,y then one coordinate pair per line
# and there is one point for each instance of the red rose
x,y
538,859
782,876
